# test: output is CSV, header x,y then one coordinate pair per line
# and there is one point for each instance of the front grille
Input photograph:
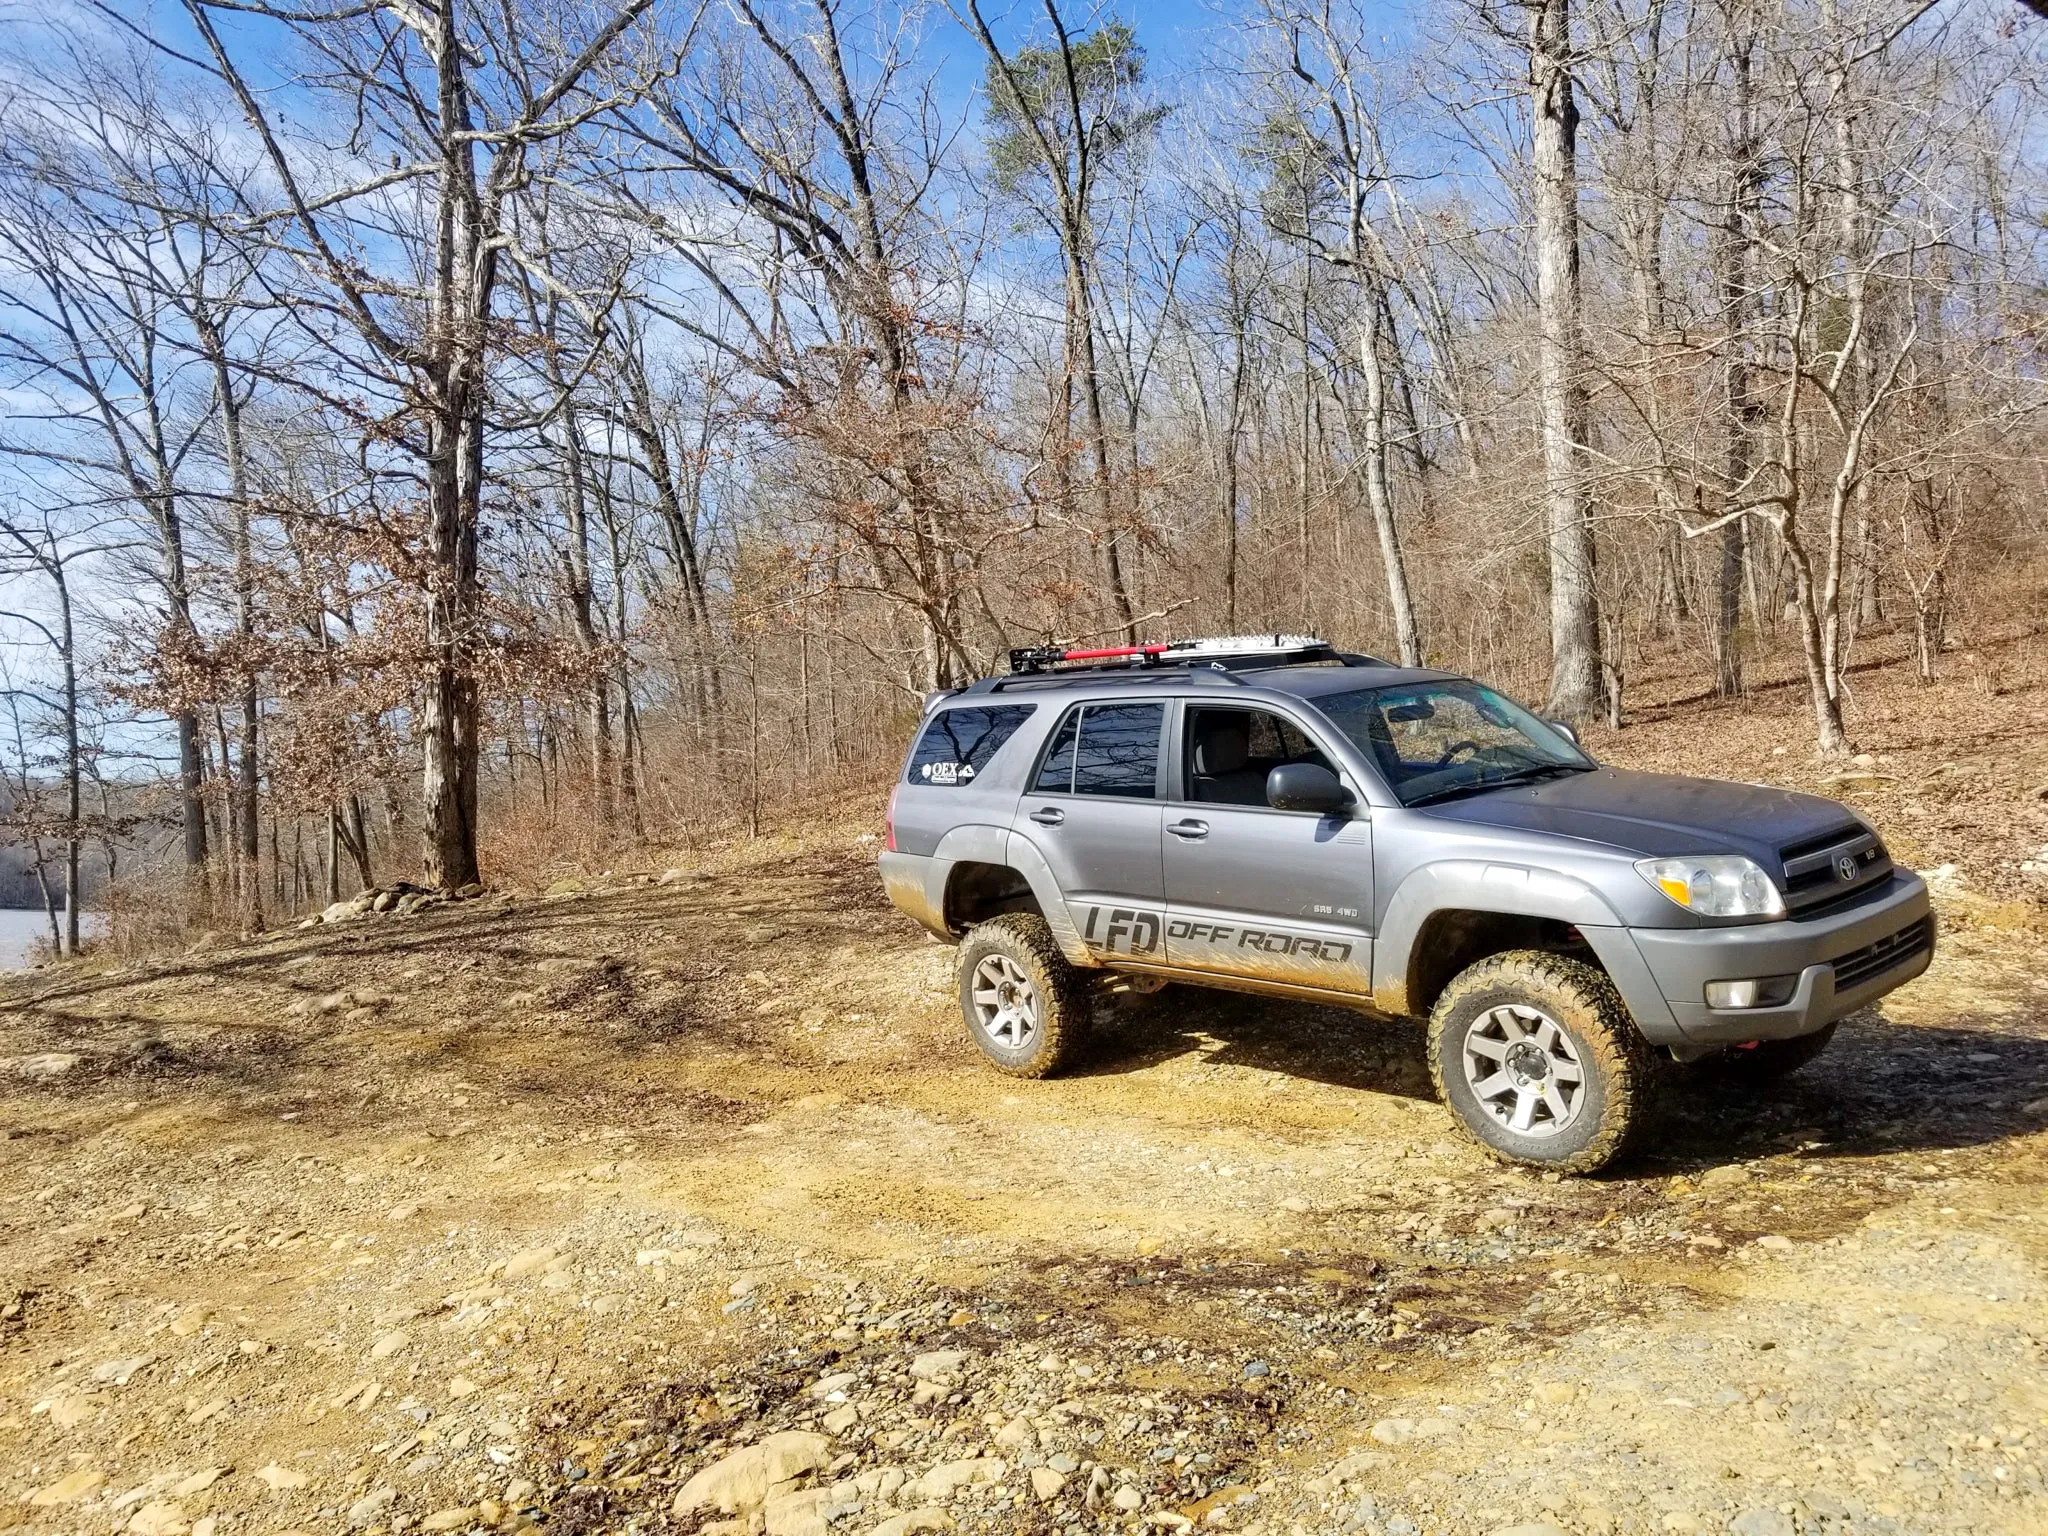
x,y
1860,965
1792,852
1814,867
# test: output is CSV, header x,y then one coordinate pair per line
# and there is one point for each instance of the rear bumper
x,y
909,880
1843,961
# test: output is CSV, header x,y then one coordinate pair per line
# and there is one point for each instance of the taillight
x,y
889,822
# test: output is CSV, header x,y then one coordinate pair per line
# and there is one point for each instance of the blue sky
x,y
1176,34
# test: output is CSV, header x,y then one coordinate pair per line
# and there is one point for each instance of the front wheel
x,y
1536,1054
1024,1005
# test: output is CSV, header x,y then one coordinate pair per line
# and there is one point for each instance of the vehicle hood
x,y
1656,814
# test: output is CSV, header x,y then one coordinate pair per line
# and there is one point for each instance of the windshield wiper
x,y
1520,776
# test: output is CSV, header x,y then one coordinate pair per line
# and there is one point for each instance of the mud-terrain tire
x,y
1507,1036
1026,1008
1767,1060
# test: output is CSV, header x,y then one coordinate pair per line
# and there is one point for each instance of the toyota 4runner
x,y
1272,815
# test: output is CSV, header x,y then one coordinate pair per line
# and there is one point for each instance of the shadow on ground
x,y
1880,1086
1229,1029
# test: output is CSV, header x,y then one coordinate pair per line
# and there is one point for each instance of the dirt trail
x,y
533,1210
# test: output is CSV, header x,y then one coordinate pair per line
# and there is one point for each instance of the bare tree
x,y
1066,113
35,548
1333,109
460,100
1575,677
87,322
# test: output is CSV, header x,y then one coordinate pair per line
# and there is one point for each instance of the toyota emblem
x,y
1846,866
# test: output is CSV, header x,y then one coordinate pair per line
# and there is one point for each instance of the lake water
x,y
20,928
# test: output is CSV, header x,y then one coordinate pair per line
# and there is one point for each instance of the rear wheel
x,y
1536,1054
1767,1060
1025,1007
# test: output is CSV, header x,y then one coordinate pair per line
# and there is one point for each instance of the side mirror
x,y
1306,787
1564,729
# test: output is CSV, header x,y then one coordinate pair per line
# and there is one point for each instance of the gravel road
x,y
683,1207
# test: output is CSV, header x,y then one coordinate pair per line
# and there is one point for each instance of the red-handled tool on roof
x,y
1222,648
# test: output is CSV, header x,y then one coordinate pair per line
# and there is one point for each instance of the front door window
x,y
1230,752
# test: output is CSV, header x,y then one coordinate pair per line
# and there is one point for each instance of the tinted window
x,y
1119,749
958,743
1056,776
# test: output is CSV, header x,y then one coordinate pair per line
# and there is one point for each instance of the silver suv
x,y
1269,814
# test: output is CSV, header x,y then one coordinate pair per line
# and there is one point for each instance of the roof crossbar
x,y
1213,660
1219,651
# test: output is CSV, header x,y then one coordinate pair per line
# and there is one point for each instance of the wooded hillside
x,y
444,437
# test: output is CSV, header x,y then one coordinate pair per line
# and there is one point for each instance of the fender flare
x,y
1024,857
972,843
1513,890
980,843
976,842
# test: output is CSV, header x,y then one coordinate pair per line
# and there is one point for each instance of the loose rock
x,y
937,1362
159,1518
371,1507
741,1481
72,1486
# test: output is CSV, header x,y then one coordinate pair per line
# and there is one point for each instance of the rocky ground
x,y
684,1207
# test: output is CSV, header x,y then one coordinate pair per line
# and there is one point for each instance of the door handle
x,y
1048,815
1190,831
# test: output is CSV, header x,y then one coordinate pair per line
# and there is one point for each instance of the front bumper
x,y
1844,960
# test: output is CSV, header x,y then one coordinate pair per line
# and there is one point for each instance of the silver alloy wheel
x,y
1524,1070
1005,1002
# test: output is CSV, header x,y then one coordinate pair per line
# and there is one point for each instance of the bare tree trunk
x,y
191,799
1574,606
1082,344
359,840
1378,496
74,808
1232,427
1853,370
448,789
1813,636
581,597
1303,447
1737,238
332,862
247,784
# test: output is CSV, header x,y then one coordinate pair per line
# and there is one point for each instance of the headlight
x,y
1715,885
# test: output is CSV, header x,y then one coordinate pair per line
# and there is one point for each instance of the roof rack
x,y
1211,659
1219,650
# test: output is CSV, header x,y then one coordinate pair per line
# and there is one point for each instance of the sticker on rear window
x,y
958,744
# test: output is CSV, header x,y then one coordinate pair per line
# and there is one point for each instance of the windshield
x,y
1436,740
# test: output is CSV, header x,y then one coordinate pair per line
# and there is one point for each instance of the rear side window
x,y
958,743
1105,749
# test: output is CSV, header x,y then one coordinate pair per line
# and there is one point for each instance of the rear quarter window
x,y
957,745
